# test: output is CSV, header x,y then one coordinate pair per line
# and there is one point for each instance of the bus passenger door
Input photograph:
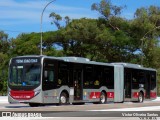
x,y
77,78
147,85
49,80
128,81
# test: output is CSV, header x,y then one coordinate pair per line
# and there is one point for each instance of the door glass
x,y
77,85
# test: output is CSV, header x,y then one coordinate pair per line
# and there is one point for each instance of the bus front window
x,y
27,75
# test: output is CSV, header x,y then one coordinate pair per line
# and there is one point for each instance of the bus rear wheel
x,y
103,98
63,99
140,97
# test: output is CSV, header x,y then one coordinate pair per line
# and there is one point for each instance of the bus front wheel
x,y
63,99
140,97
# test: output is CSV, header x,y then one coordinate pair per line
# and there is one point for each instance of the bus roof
x,y
87,61
136,66
82,60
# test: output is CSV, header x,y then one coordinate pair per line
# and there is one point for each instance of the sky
x,y
23,16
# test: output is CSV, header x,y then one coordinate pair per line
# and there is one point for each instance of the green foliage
x,y
81,36
4,59
110,38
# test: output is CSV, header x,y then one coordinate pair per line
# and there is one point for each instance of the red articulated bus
x,y
40,80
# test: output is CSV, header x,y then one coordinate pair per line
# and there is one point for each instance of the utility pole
x,y
41,51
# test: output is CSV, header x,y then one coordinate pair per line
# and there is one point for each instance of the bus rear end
x,y
24,83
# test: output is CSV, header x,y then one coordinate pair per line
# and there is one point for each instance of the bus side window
x,y
45,74
153,80
142,77
63,74
135,79
108,77
88,77
97,76
49,75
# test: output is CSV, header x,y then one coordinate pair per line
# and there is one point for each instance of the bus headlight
x,y
36,92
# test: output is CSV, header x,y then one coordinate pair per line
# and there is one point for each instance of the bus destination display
x,y
31,60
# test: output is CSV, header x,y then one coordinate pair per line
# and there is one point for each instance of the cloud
x,y
30,11
24,15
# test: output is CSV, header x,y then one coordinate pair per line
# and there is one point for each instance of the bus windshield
x,y
24,75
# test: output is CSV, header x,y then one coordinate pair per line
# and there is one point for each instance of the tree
x,y
4,42
81,37
57,20
107,10
145,28
4,60
26,44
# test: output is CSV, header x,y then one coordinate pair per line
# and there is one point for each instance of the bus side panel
x,y
153,91
53,96
118,83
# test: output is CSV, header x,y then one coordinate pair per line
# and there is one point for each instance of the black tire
x,y
64,100
140,97
103,98
34,104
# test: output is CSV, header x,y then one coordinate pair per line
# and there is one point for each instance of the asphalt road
x,y
87,107
88,111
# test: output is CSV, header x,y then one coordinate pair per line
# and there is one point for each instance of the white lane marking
x,y
132,109
1,102
3,99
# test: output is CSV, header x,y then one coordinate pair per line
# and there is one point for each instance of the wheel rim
x,y
102,98
63,99
140,97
